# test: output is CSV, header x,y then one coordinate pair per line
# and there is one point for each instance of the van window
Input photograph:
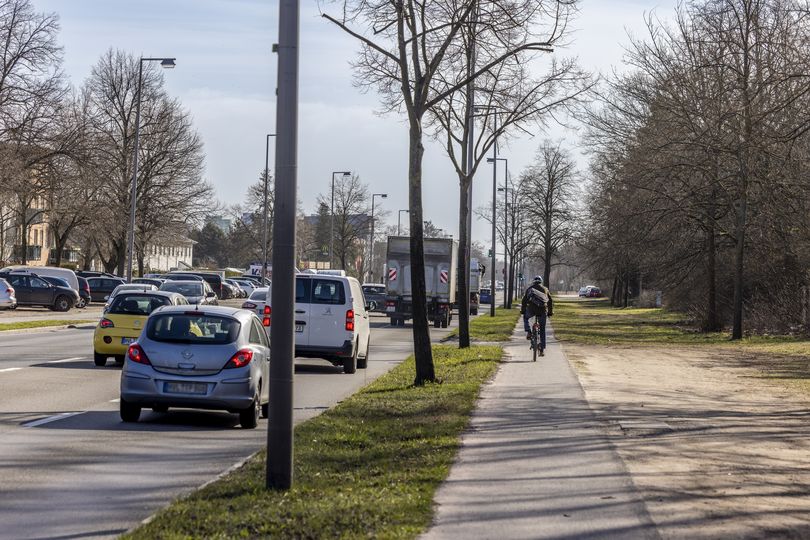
x,y
327,291
302,290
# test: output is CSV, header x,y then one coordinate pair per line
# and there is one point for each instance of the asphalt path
x,y
69,468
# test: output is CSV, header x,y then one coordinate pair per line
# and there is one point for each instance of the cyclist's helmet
x,y
537,280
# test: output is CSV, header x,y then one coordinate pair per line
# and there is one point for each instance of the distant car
x,y
102,287
84,292
594,292
257,300
247,285
485,296
128,287
229,290
90,273
196,292
205,357
124,320
213,279
32,290
8,300
157,282
375,296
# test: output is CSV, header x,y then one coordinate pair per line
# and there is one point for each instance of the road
x,y
72,469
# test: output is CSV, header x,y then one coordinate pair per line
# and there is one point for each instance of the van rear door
x,y
302,309
327,312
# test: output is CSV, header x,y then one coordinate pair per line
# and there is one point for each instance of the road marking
x,y
10,369
116,400
65,360
50,419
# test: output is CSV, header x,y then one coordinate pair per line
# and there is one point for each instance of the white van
x,y
331,320
48,271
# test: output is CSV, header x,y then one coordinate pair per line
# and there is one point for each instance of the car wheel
x,y
160,408
363,362
62,303
99,359
249,418
129,411
80,304
350,362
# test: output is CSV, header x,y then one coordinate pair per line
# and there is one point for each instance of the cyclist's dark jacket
x,y
531,309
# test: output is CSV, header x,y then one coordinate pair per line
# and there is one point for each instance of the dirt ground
x,y
717,442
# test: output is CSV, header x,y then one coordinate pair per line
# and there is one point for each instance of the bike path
x,y
535,463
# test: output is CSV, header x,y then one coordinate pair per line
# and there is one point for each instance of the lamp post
x,y
332,220
264,206
507,302
166,63
371,250
494,161
399,220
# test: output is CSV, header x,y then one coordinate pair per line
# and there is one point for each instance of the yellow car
x,y
124,320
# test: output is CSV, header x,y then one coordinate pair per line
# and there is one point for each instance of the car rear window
x,y
127,304
186,289
258,295
192,328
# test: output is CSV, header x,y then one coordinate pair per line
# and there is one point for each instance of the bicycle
x,y
535,340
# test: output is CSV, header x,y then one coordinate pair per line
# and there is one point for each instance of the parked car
x,y
91,273
594,292
84,292
331,320
485,296
256,301
229,290
583,291
196,292
375,296
247,285
32,290
47,271
157,282
180,277
212,278
8,300
205,358
124,320
128,287
102,287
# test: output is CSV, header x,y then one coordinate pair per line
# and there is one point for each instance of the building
x,y
222,223
169,254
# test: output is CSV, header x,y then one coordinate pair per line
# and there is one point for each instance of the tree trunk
x,y
739,269
614,291
712,323
626,284
423,353
463,298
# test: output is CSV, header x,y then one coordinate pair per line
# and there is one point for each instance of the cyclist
x,y
536,302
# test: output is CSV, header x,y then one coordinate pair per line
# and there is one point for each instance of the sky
x,y
225,77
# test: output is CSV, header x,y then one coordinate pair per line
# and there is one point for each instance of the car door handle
x,y
300,311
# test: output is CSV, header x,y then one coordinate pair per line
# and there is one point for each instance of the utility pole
x,y
279,474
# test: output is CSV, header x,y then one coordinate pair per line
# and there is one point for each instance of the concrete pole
x,y
279,474
494,212
134,194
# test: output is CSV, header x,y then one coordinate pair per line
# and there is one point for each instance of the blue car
x,y
485,296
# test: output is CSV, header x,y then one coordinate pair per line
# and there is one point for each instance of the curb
x,y
43,329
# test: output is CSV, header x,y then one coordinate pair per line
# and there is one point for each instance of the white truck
x,y
441,259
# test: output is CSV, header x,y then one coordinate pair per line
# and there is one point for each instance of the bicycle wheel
x,y
534,344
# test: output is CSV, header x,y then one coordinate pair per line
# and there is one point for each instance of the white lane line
x,y
50,419
10,369
65,360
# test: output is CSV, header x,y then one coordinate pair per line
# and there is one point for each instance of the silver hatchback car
x,y
204,357
7,298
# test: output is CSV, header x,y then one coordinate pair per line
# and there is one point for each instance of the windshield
x,y
128,304
186,289
189,327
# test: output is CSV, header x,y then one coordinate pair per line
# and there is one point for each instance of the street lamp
x,y
371,250
167,63
332,220
399,220
264,206
493,159
507,302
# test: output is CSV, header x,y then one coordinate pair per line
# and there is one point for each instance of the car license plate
x,y
299,327
127,340
390,308
185,388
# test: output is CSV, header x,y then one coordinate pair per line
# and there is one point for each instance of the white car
x,y
246,285
7,298
331,319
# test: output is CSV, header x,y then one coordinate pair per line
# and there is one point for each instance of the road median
x,y
43,324
488,329
369,467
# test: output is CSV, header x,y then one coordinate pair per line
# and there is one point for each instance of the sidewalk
x,y
535,463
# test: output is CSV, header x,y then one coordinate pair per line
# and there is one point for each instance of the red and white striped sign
x,y
392,274
443,276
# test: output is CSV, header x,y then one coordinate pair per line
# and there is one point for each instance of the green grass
x,y
367,468
596,322
39,324
486,328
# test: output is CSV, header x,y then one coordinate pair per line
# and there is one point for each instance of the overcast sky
x,y
226,78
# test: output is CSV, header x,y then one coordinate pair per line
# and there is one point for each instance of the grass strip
x,y
486,328
39,324
368,468
595,322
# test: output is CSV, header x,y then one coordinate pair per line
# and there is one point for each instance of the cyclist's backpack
x,y
537,298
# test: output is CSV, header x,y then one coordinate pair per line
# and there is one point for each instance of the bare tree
x,y
404,47
352,222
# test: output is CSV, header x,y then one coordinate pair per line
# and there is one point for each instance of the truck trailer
x,y
441,259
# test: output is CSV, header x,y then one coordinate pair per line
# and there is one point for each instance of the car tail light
x,y
350,320
10,291
240,359
136,354
390,303
248,305
106,323
268,311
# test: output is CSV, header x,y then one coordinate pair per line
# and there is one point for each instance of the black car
x,y
84,292
212,278
102,287
92,273
375,296
157,282
33,290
